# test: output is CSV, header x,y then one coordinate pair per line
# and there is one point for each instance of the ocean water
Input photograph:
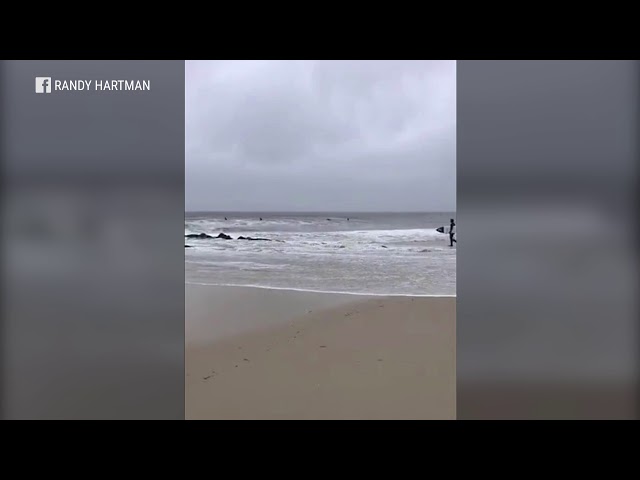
x,y
359,253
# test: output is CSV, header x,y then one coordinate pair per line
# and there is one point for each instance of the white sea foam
x,y
333,292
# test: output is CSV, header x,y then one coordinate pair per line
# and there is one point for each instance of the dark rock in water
x,y
255,239
342,246
204,235
198,235
425,250
384,246
188,246
328,219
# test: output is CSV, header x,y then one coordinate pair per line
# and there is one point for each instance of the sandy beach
x,y
278,354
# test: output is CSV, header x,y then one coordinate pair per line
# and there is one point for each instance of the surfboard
x,y
444,230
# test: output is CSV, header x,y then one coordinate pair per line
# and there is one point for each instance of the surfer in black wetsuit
x,y
452,232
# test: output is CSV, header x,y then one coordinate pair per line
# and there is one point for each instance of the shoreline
x,y
329,292
260,353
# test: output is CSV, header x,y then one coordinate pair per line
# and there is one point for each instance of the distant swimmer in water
x,y
260,218
225,218
452,232
347,219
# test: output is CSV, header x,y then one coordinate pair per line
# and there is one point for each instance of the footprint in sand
x,y
245,359
323,346
213,372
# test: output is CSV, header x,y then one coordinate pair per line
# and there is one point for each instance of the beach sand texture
x,y
270,354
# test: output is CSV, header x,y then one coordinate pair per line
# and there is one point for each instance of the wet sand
x,y
274,354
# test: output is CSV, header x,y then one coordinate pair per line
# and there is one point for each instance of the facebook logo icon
x,y
43,84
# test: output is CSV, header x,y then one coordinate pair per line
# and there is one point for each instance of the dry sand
x,y
276,354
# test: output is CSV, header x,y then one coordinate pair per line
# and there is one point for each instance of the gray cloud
x,y
320,135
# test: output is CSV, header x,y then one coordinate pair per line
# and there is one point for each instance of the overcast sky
x,y
320,135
